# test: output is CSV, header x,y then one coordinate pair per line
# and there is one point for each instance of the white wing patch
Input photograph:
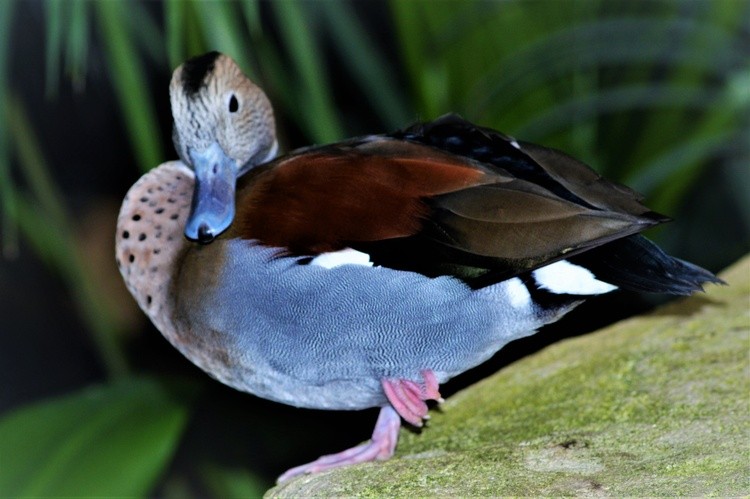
x,y
346,256
518,295
565,278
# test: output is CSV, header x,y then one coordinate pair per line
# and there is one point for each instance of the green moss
x,y
655,405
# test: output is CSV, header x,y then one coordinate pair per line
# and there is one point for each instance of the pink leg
x,y
408,397
380,448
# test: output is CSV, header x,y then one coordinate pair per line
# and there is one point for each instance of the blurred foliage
x,y
652,93
131,430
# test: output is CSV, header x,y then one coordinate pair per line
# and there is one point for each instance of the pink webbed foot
x,y
380,447
408,397
407,400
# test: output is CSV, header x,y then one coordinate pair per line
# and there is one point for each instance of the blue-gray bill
x,y
212,209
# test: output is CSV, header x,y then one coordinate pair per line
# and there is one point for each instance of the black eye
x,y
233,104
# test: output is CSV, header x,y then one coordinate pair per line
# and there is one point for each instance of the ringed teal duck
x,y
365,273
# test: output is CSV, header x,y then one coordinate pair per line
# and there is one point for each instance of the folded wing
x,y
442,198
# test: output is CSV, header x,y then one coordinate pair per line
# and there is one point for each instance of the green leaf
x,y
372,71
54,20
129,81
598,44
418,28
318,115
223,30
146,33
581,108
666,179
174,29
35,169
8,208
77,43
111,440
251,11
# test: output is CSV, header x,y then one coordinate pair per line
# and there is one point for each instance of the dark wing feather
x,y
445,197
637,264
555,207
513,222
554,171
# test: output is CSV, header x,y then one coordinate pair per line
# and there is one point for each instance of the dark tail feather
x,y
637,264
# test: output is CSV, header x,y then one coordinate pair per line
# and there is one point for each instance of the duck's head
x,y
223,126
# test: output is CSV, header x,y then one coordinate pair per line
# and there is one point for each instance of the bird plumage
x,y
365,273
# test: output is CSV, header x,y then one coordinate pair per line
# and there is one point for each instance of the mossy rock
x,y
655,405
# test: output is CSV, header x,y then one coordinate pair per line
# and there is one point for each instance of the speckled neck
x,y
149,240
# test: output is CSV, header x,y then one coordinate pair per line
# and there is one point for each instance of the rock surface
x,y
654,405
